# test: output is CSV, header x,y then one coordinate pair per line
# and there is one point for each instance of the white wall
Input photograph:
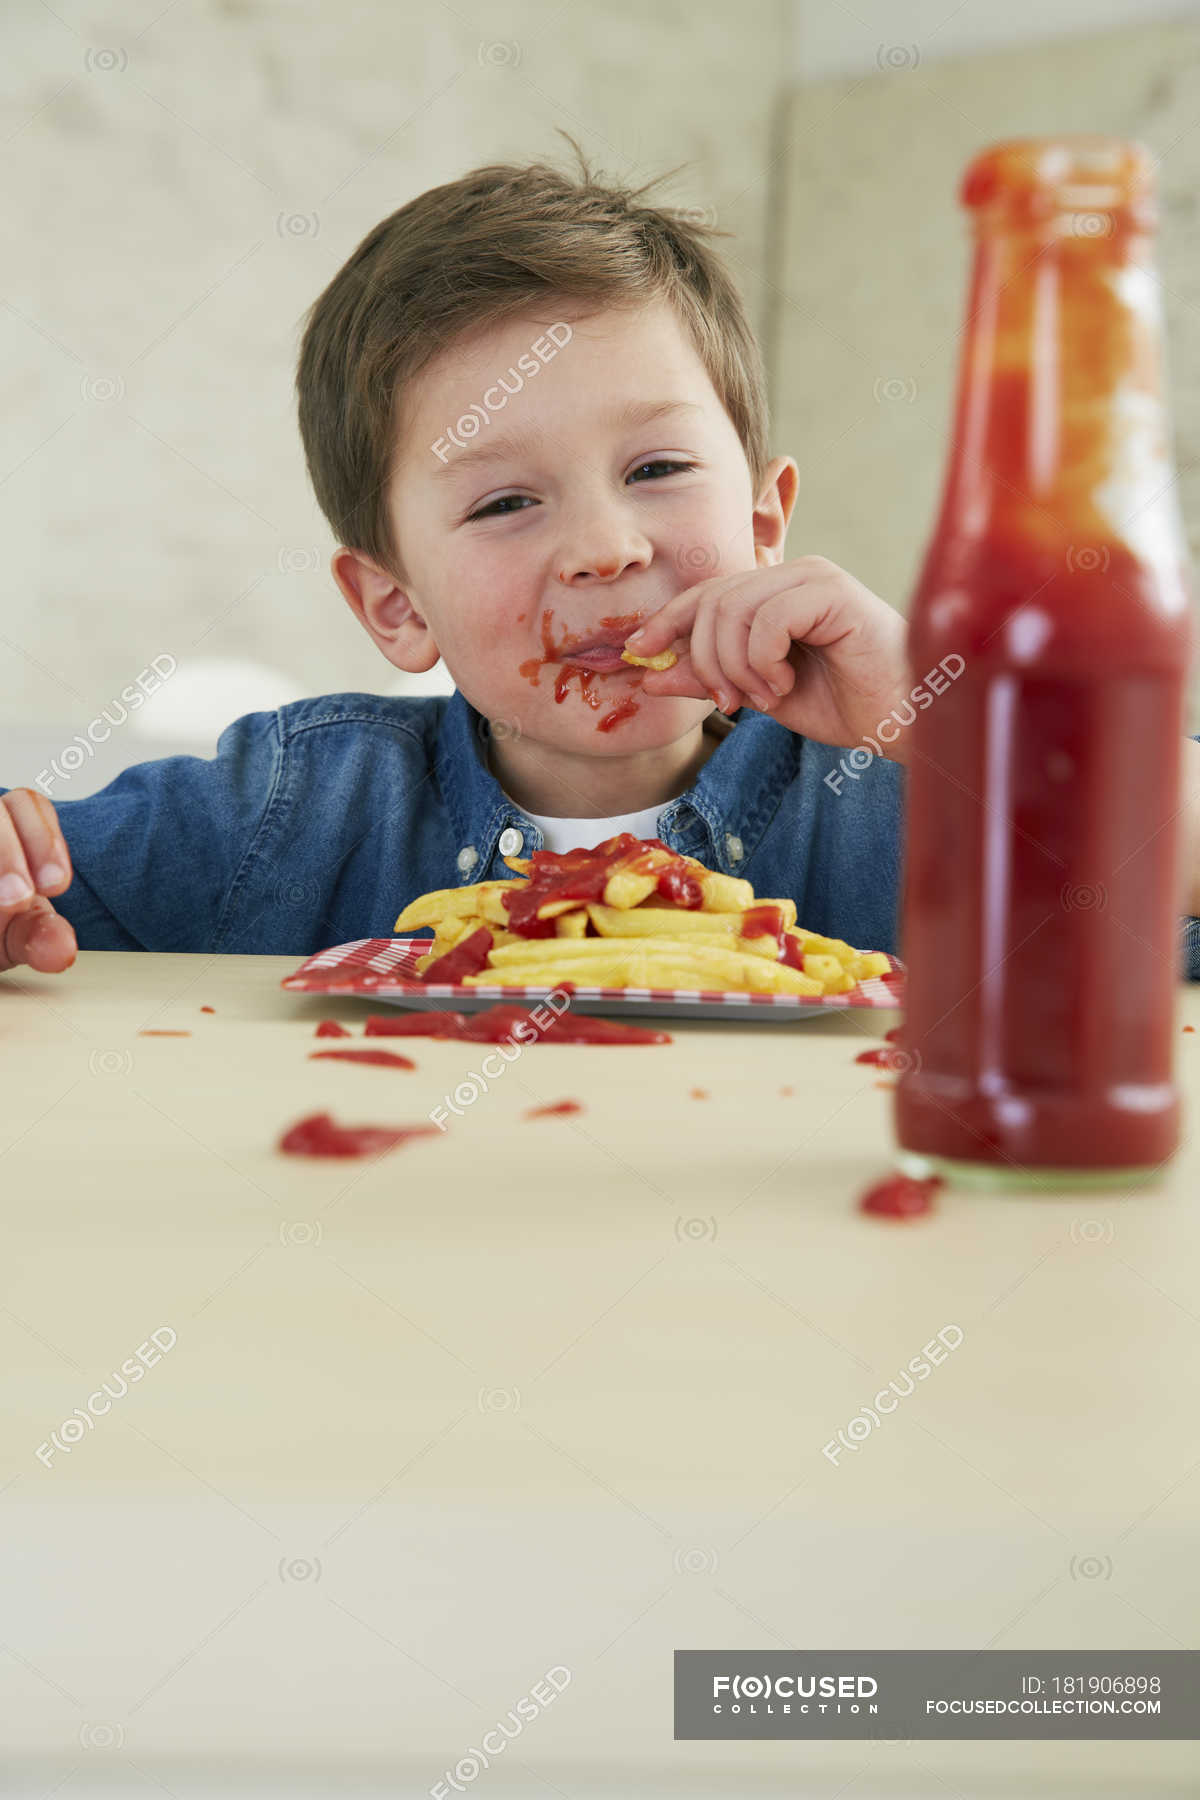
x,y
870,296
181,181
860,37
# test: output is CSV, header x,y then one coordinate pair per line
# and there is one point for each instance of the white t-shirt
x,y
582,834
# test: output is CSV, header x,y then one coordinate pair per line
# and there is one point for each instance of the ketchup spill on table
x,y
423,1024
495,1023
584,874
557,1106
208,1009
330,1028
531,669
894,1035
318,1135
886,1084
1189,1028
386,1059
700,1094
164,1033
787,1090
885,1058
901,1197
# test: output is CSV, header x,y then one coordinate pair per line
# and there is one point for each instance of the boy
x,y
534,415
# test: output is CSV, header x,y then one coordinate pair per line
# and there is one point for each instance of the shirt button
x,y
510,841
467,858
734,847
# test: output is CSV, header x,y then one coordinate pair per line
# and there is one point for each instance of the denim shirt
x,y
316,824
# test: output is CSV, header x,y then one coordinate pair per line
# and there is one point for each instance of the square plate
x,y
375,969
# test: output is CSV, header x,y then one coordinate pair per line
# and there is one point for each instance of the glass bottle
x,y
1042,872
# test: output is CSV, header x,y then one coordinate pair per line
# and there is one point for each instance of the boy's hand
x,y
34,862
833,649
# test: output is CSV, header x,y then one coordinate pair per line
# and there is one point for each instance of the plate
x,y
375,969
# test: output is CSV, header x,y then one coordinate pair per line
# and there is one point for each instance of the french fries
x,y
666,659
631,913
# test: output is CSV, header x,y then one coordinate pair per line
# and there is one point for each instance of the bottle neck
x,y
1061,434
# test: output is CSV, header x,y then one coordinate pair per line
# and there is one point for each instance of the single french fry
x,y
571,924
650,926
655,921
868,963
483,897
725,893
625,888
666,659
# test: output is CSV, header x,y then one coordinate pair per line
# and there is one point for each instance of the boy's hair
x,y
469,254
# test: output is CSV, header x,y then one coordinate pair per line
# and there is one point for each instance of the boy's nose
x,y
602,571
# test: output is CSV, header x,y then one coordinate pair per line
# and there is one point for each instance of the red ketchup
x,y
900,1197
422,1024
466,958
330,1028
318,1135
384,1059
1049,641
583,875
555,1109
493,1025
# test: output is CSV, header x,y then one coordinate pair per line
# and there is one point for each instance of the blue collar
x,y
720,819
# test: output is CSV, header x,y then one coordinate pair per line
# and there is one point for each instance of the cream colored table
x,y
546,1394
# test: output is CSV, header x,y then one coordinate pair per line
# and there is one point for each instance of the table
x,y
546,1394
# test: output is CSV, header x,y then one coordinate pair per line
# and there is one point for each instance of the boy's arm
x,y
154,856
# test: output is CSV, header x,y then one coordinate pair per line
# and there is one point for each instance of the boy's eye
x,y
520,500
493,504
663,464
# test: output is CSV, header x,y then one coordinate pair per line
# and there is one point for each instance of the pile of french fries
x,y
635,938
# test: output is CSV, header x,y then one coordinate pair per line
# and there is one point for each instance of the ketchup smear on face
x,y
901,1197
386,1059
624,708
318,1135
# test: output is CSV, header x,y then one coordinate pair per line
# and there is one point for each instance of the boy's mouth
x,y
600,656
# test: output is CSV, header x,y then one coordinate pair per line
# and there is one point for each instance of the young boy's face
x,y
570,515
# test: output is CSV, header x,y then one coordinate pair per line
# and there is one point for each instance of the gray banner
x,y
904,1694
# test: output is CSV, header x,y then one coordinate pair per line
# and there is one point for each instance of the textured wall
x,y
877,259
181,181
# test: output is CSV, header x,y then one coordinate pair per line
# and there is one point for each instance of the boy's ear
x,y
384,611
774,508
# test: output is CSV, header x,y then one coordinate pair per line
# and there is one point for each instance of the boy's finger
x,y
759,584
682,682
39,937
671,621
16,883
733,628
47,860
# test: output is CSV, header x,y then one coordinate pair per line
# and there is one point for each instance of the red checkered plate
x,y
376,968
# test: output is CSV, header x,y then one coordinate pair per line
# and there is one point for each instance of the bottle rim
x,y
1043,179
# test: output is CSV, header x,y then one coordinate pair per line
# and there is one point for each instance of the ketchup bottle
x,y
1042,890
